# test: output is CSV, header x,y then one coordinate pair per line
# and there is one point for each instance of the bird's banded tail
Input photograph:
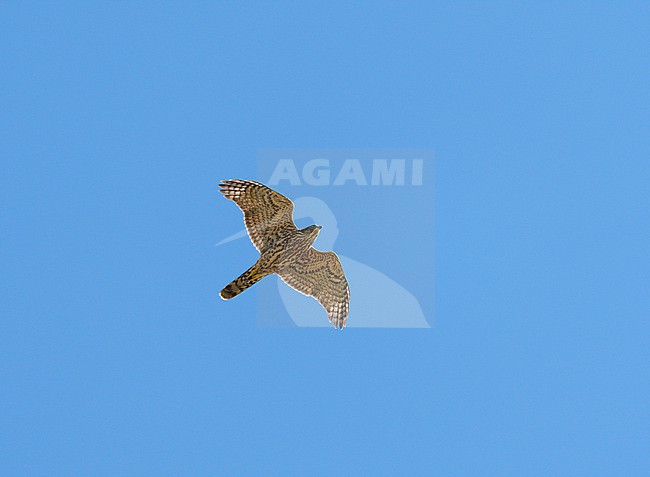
x,y
247,279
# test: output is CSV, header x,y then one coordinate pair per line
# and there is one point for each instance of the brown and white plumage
x,y
267,213
286,250
320,275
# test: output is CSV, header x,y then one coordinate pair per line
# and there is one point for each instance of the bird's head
x,y
311,232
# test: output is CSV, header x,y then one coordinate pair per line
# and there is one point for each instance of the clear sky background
x,y
117,120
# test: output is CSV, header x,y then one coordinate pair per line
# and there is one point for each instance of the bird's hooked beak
x,y
319,227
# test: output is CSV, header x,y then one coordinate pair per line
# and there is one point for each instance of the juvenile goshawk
x,y
286,250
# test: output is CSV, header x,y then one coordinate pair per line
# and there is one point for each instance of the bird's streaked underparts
x,y
286,250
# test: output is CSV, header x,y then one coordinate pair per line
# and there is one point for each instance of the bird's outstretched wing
x,y
319,274
267,213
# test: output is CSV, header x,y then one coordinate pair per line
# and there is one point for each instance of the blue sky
x,y
118,120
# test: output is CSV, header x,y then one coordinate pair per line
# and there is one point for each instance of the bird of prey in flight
x,y
286,250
